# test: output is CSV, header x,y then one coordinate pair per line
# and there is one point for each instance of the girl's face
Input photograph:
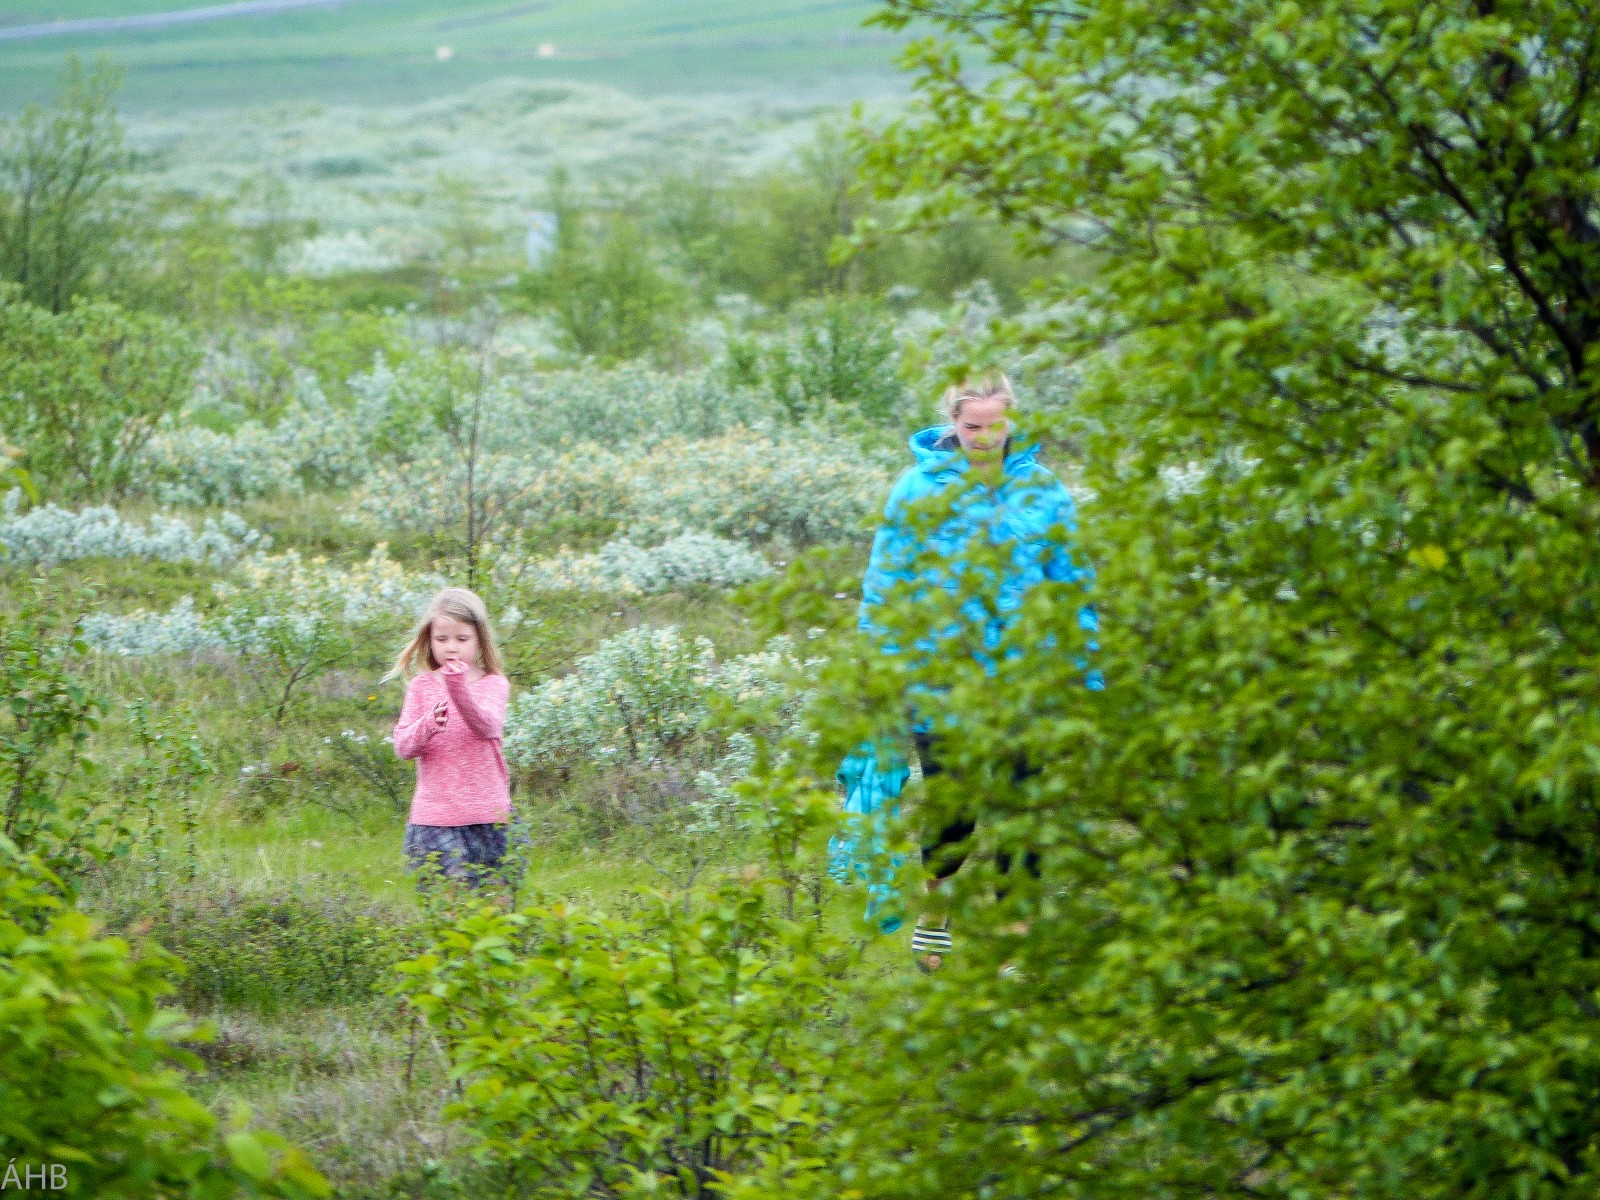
x,y
982,428
453,641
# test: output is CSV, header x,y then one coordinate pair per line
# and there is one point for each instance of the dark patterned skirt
x,y
470,852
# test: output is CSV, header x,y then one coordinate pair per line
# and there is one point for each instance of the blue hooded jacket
x,y
1030,510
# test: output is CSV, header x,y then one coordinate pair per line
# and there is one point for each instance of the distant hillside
x,y
183,56
377,179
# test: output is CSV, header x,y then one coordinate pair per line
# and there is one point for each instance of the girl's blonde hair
x,y
459,605
987,386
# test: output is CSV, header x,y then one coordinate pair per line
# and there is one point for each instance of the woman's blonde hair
x,y
459,605
987,386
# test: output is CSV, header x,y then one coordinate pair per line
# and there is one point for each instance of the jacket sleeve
x,y
1065,563
485,711
415,728
887,565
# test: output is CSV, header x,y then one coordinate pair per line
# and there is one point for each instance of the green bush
x,y
47,717
772,235
91,1071
653,1054
839,354
63,186
278,328
84,390
273,951
781,226
611,294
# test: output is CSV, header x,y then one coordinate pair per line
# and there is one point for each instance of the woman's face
x,y
982,428
454,640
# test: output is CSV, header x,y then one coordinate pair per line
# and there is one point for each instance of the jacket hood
x,y
935,461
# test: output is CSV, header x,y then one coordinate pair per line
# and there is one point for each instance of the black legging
x,y
957,831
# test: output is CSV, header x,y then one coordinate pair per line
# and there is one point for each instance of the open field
x,y
390,51
380,172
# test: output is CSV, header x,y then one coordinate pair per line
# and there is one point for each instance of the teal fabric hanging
x,y
872,782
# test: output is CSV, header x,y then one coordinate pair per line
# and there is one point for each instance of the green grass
x,y
387,51
122,585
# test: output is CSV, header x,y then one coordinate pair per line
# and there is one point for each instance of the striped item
x,y
931,939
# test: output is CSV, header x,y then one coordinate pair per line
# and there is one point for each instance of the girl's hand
x,y
454,667
440,710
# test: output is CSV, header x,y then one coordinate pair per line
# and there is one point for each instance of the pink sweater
x,y
461,774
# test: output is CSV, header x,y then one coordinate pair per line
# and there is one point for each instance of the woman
x,y
979,488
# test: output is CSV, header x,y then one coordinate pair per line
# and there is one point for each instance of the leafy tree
x,y
85,388
1318,913
282,327
465,226
786,222
842,351
264,202
604,284
61,195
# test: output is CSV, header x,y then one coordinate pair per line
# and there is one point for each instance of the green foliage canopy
x,y
843,353
1318,915
62,183
651,1055
604,284
84,389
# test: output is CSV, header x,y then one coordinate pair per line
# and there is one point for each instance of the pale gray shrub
x,y
693,559
338,253
640,693
719,806
190,465
738,485
314,443
744,485
683,561
180,630
49,535
430,495
326,444
527,411
270,601
624,406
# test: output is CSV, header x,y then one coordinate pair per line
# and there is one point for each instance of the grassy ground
x,y
370,52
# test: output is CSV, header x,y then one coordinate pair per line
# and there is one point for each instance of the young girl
x,y
451,723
